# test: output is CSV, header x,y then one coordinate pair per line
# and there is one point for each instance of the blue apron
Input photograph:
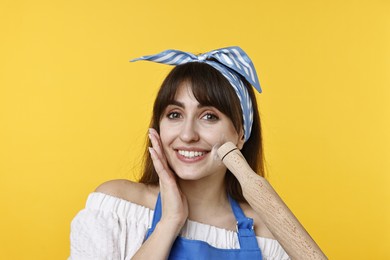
x,y
184,248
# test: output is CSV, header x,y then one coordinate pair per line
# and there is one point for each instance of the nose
x,y
189,132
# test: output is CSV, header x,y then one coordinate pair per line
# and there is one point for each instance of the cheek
x,y
222,134
231,136
166,134
164,138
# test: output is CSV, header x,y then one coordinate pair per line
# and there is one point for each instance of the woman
x,y
187,205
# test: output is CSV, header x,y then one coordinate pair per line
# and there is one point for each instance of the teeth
x,y
190,154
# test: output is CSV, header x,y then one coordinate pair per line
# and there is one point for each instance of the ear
x,y
241,139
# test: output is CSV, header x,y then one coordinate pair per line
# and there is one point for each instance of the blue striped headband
x,y
231,62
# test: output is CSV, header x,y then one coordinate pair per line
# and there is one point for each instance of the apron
x,y
188,249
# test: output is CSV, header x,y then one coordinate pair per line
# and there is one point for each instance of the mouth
x,y
191,155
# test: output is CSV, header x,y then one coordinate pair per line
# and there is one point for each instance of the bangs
x,y
209,87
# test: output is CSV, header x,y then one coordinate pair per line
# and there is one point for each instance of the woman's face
x,y
189,131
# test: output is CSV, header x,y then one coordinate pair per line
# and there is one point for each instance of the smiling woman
x,y
188,205
210,89
188,129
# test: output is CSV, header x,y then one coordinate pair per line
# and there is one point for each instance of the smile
x,y
191,154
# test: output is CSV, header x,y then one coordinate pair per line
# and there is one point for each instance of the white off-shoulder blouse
x,y
111,228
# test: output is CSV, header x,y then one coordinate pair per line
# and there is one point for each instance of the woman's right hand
x,y
174,202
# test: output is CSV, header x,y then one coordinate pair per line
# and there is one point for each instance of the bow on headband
x,y
231,62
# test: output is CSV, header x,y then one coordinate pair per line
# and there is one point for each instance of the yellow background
x,y
74,111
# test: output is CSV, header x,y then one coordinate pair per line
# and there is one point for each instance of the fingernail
x,y
150,130
152,153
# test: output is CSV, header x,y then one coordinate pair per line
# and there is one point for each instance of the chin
x,y
190,176
197,175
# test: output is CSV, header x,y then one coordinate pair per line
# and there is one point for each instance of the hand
x,y
235,162
216,146
174,202
216,153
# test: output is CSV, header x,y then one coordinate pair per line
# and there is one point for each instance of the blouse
x,y
111,228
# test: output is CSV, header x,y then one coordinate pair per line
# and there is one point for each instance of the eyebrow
x,y
180,104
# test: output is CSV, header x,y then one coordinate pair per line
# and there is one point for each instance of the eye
x,y
173,115
210,117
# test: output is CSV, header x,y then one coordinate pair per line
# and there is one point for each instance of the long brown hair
x,y
210,88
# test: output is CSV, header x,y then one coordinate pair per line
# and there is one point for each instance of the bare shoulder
x,y
138,193
261,229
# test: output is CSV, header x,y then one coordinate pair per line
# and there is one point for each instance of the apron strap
x,y
156,216
245,228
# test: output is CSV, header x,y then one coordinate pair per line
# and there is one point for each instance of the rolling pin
x,y
270,207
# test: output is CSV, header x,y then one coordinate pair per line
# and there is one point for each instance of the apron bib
x,y
188,249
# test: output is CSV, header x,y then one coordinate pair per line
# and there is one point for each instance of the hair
x,y
210,88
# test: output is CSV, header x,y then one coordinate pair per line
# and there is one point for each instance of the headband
x,y
231,62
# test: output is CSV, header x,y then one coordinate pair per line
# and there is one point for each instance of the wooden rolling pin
x,y
270,207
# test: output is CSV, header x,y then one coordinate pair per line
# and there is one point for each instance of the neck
x,y
204,196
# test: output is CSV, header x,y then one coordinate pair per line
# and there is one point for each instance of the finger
x,y
156,143
161,170
155,140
